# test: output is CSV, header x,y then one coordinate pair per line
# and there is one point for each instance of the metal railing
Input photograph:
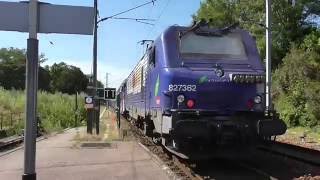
x,y
10,119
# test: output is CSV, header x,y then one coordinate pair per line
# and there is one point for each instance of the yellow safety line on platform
x,y
105,108
106,134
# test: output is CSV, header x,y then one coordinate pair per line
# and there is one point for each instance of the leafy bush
x,y
290,23
56,111
296,87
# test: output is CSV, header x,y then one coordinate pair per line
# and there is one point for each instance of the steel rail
x,y
10,142
303,154
186,170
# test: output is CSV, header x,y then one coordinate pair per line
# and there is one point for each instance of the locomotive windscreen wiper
x,y
193,28
219,32
228,28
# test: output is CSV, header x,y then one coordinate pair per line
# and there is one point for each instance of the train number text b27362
x,y
182,88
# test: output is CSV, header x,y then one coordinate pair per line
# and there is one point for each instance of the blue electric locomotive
x,y
199,87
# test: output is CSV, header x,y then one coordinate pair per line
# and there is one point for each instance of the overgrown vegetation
x,y
60,77
297,84
56,111
57,84
295,50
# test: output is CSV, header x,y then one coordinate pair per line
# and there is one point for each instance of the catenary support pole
x,y
95,57
98,119
31,92
107,80
268,55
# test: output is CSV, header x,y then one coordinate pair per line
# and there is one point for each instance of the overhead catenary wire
x,y
149,15
158,18
144,4
145,23
139,20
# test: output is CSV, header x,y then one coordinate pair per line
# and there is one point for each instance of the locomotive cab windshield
x,y
227,46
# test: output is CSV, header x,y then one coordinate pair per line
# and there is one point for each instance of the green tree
x,y
290,23
99,84
13,67
296,84
67,79
295,50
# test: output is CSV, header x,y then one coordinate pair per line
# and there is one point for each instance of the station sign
x,y
88,102
100,93
52,18
110,93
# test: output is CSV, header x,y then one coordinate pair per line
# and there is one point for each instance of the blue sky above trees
x,y
118,47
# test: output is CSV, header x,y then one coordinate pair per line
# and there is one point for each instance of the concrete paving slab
x,y
60,157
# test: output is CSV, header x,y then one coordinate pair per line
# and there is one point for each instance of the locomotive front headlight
x,y
257,99
180,98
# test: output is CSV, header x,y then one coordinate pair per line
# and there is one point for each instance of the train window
x,y
151,56
142,78
229,46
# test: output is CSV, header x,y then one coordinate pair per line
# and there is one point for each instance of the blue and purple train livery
x,y
198,87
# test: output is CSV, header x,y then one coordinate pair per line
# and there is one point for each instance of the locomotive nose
x,y
226,95
216,89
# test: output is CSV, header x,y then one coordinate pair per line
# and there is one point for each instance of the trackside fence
x,y
9,120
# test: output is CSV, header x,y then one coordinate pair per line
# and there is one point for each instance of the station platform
x,y
74,155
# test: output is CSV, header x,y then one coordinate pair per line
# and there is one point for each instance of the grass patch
x,y
108,131
311,133
56,111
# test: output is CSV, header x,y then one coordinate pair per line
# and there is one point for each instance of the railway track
x,y
10,142
278,161
202,170
13,141
272,161
299,153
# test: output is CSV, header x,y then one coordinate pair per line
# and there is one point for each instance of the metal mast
x,y
268,55
29,172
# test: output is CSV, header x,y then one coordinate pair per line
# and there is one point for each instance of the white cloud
x,y
116,74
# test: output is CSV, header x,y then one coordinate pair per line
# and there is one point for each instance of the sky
x,y
118,47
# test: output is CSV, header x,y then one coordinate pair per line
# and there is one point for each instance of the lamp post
x,y
93,115
95,44
29,172
268,56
